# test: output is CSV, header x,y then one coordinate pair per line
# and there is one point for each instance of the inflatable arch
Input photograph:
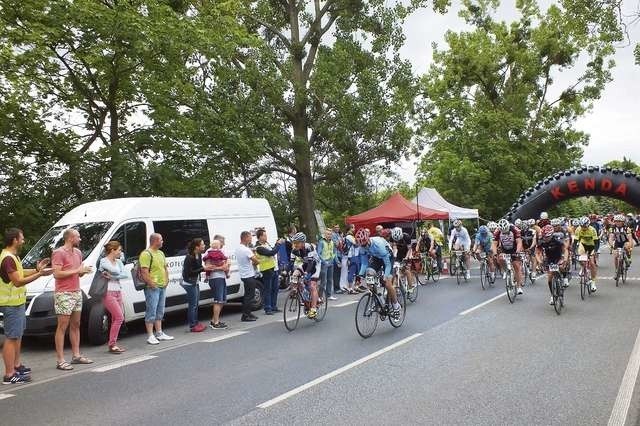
x,y
579,182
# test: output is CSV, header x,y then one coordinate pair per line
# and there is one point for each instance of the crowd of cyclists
x,y
537,242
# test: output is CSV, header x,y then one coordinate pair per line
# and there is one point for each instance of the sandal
x,y
115,349
64,365
81,360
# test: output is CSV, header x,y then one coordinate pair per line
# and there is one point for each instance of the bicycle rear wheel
x,y
624,271
511,289
419,280
557,295
484,283
291,311
435,274
323,304
402,300
618,273
366,315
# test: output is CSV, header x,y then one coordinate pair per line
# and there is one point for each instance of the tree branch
x,y
273,29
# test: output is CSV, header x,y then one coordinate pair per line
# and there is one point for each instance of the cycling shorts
x,y
583,249
378,264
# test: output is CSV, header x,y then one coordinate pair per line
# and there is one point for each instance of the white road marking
x,y
351,302
123,363
486,302
224,336
335,373
6,395
623,400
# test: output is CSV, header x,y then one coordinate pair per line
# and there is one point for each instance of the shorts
x,y
154,299
67,302
377,264
619,244
514,256
15,321
584,249
219,288
485,248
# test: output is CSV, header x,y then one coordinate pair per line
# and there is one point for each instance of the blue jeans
x,y
270,288
326,278
154,299
274,290
354,268
193,297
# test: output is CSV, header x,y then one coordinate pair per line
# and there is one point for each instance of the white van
x,y
131,221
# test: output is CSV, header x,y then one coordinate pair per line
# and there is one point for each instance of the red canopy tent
x,y
395,209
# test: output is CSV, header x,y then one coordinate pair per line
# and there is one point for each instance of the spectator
x,y
67,270
191,270
13,296
112,268
217,279
338,243
247,260
353,260
153,265
379,229
327,252
267,265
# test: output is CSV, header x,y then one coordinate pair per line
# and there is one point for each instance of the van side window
x,y
177,234
133,238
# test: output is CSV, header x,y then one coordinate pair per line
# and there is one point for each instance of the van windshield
x,y
90,235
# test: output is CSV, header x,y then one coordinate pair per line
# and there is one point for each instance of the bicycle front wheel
x,y
483,276
397,321
323,304
511,289
624,272
292,309
366,316
419,280
583,285
557,295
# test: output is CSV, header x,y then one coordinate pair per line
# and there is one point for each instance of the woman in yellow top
x,y
586,235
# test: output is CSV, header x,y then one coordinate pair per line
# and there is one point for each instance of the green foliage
x,y
490,120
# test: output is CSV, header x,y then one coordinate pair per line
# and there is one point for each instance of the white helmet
x,y
504,225
457,223
618,218
575,222
544,216
584,221
492,227
556,222
518,223
532,222
396,233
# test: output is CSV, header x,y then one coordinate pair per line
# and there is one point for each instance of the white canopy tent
x,y
430,198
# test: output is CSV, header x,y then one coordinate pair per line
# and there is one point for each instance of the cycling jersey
x,y
402,246
527,238
461,238
436,235
586,236
485,242
308,260
380,249
507,243
553,248
425,243
620,236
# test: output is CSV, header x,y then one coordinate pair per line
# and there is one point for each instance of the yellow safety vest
x,y
11,295
266,262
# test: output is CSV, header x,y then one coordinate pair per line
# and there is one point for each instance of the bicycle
x,y
512,291
585,276
621,266
375,305
461,270
402,283
429,268
557,289
486,280
300,297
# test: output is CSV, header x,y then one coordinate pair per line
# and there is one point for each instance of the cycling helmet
x,y
547,231
362,236
575,222
618,218
518,223
396,233
504,225
524,225
492,227
532,222
299,237
457,223
483,230
630,214
544,216
556,222
584,221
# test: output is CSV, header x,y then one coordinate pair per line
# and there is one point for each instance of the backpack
x,y
136,273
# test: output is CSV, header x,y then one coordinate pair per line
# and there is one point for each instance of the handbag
x,y
98,286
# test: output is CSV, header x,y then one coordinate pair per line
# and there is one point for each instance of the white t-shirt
x,y
245,266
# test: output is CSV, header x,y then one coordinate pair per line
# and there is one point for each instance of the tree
x,y
332,87
495,120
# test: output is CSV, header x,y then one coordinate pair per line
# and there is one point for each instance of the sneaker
x,y
493,276
268,312
16,379
332,298
533,276
468,275
551,300
218,326
163,336
338,292
198,328
152,340
312,313
565,282
593,287
248,318
23,370
396,310
504,275
519,290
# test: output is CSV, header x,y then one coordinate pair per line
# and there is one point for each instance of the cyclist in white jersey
x,y
460,240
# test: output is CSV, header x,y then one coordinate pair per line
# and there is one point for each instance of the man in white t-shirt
x,y
247,260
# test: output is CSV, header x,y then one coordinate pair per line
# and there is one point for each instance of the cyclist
x,y
403,252
544,220
621,237
554,248
593,221
631,223
508,241
587,236
437,238
376,251
484,243
307,261
460,240
425,244
529,242
560,228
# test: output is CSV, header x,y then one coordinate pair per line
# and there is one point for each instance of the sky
x,y
613,123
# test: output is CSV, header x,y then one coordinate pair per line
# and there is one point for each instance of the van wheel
x,y
258,301
98,324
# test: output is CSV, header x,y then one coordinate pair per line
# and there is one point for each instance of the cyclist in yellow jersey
x,y
437,237
586,235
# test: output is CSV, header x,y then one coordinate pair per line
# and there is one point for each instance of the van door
x,y
133,237
176,235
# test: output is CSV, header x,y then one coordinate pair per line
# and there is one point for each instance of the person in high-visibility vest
x,y
13,296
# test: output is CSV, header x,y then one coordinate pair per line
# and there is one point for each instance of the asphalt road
x,y
499,364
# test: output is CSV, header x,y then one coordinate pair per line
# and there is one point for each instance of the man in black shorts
x,y
555,251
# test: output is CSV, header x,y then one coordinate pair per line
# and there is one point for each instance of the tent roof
x,y
430,198
396,209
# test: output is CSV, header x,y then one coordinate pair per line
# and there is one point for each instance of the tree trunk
x,y
304,180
